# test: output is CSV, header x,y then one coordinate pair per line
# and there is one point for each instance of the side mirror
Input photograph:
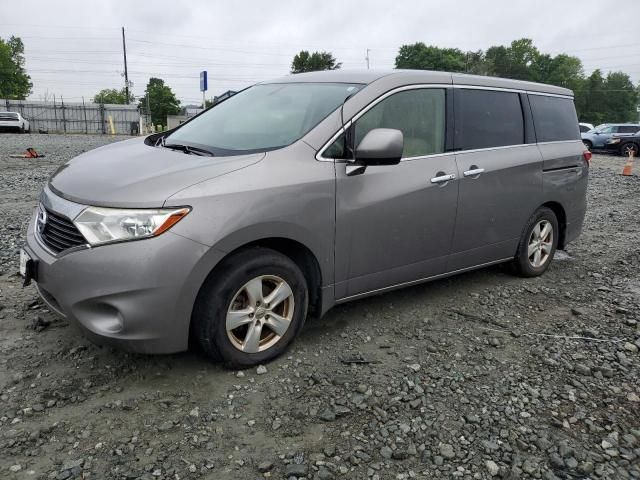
x,y
381,146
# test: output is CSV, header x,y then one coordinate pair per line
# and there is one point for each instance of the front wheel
x,y
629,149
537,244
251,308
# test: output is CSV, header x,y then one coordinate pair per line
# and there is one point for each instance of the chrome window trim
x,y
458,86
513,90
365,109
501,147
553,142
543,94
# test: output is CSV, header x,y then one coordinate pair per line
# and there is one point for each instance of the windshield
x,y
263,117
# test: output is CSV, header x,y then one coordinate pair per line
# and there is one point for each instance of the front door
x,y
394,224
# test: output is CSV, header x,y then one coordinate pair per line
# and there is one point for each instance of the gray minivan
x,y
300,193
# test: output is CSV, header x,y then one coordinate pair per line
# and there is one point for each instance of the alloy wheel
x,y
540,243
260,314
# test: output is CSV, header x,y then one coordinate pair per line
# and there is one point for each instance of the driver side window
x,y
419,114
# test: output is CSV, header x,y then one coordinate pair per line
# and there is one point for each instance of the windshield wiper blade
x,y
188,149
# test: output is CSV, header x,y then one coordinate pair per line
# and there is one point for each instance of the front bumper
x,y
135,295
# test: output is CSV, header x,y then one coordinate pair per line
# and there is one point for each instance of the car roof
x,y
414,76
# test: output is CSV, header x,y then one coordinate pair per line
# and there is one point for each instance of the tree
x,y
515,61
14,81
622,98
422,57
305,62
162,101
113,96
595,104
597,99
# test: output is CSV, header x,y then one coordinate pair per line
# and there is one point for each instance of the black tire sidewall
x,y
523,265
629,144
236,272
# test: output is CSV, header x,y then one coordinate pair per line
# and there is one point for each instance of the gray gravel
x,y
484,375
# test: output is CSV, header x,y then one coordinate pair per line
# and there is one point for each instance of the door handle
x,y
473,172
442,178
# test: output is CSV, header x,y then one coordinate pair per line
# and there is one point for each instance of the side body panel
x,y
494,206
287,195
393,225
565,180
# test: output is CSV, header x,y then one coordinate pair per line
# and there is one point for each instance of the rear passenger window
x,y
487,118
628,129
419,114
554,118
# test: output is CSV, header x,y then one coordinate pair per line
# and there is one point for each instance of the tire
x,y
526,265
229,289
628,147
587,144
22,130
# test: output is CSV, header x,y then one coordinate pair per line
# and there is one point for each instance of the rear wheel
x,y
22,130
628,149
251,308
537,244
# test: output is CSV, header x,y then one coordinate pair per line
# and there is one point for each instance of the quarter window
x,y
487,118
419,114
554,118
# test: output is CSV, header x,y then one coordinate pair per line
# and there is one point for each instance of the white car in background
x,y
14,121
585,127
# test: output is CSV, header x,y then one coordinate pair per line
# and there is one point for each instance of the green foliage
x,y
597,99
306,62
422,57
162,101
15,84
111,95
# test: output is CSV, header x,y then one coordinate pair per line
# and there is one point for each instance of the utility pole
x,y
367,58
126,75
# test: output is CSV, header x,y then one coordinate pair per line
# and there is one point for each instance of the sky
x,y
73,49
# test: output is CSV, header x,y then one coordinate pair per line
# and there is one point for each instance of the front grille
x,y
59,233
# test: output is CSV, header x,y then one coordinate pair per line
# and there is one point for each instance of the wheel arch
x,y
297,251
626,142
561,216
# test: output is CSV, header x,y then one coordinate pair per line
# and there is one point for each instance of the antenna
x,y
367,58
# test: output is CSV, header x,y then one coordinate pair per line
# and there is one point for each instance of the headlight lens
x,y
102,225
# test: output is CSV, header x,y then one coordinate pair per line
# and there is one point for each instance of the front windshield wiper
x,y
188,149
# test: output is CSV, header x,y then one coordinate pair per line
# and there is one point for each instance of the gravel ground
x,y
483,375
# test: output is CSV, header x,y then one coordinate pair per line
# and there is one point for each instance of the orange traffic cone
x,y
628,167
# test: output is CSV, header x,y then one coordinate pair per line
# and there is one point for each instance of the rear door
x,y
500,171
394,223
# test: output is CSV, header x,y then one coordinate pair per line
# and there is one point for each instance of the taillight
x,y
587,157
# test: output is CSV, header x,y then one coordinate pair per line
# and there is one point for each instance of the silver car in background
x,y
301,193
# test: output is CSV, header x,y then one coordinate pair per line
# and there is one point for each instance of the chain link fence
x,y
62,117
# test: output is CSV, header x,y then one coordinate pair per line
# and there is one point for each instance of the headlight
x,y
102,225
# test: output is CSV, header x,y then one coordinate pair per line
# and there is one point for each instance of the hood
x,y
133,174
